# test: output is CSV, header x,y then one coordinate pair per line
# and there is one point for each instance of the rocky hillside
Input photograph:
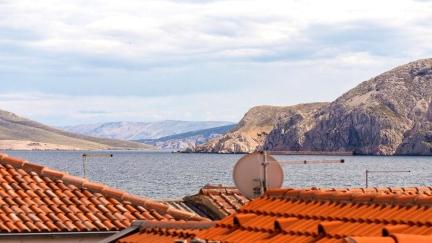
x,y
21,133
251,132
187,141
389,114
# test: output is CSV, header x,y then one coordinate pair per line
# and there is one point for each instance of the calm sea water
x,y
172,175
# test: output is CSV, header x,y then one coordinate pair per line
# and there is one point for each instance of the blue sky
x,y
73,62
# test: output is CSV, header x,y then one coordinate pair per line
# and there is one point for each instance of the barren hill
x,y
251,132
20,133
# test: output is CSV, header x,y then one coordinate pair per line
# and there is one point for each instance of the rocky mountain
x,y
20,133
251,132
187,141
386,115
142,130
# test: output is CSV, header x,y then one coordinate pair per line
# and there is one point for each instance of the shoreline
x,y
315,154
27,145
23,145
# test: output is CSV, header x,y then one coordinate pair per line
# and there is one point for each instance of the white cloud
x,y
66,110
199,60
156,29
227,104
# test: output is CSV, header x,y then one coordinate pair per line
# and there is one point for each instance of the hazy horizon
x,y
81,62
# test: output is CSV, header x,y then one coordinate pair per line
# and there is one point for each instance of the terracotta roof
x,y
216,201
34,198
162,232
320,215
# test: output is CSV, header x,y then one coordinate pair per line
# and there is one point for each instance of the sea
x,y
165,175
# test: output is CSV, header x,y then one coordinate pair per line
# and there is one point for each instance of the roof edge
x,y
144,225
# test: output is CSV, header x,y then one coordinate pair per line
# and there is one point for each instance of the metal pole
x,y
367,176
341,161
346,153
84,165
85,156
383,171
265,164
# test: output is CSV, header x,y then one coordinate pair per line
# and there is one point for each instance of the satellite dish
x,y
257,172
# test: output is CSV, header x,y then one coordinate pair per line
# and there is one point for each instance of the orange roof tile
x,y
34,198
396,238
369,240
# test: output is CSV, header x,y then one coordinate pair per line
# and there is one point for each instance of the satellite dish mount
x,y
255,173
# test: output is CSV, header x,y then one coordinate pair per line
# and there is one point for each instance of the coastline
x,y
27,145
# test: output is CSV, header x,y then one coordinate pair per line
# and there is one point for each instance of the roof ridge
x,y
96,187
218,189
150,224
216,186
354,196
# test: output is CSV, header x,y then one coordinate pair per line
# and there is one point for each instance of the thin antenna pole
x,y
367,178
382,171
265,164
85,156
329,153
336,161
84,166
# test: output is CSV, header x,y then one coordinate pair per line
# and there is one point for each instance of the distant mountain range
x,y
188,141
143,130
18,133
